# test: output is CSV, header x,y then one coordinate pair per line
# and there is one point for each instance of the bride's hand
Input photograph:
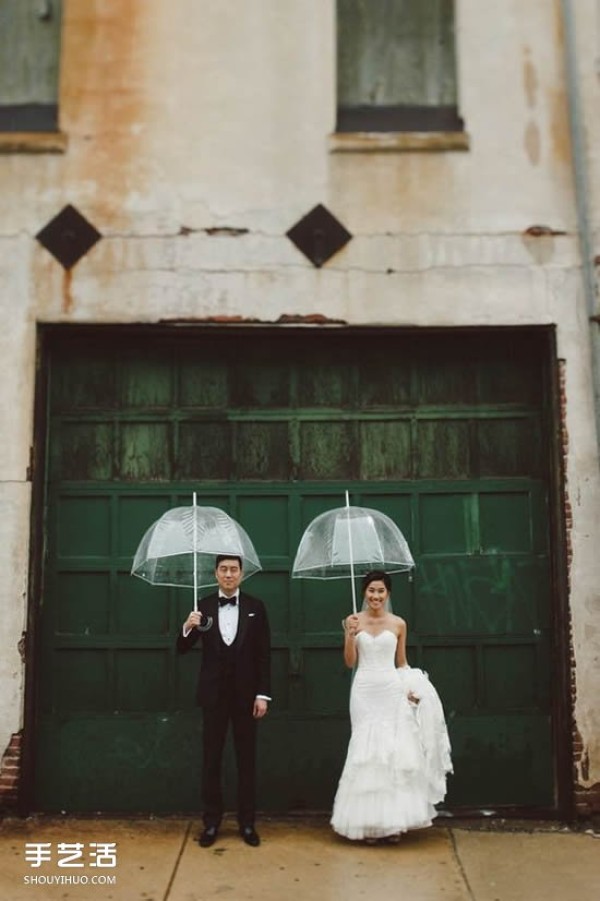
x,y
412,697
351,625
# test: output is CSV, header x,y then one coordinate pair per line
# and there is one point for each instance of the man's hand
x,y
260,708
193,620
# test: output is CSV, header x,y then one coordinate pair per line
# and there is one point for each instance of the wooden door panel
x,y
451,450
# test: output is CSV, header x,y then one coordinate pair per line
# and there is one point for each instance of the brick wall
x,y
10,769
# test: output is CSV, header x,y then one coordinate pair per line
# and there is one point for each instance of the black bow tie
x,y
224,601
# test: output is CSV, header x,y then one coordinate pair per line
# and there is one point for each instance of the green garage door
x,y
446,433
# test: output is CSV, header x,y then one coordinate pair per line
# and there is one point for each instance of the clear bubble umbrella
x,y
181,547
348,542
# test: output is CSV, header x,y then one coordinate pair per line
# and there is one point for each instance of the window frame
x,y
29,119
390,127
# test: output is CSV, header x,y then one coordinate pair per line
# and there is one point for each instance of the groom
x,y
233,687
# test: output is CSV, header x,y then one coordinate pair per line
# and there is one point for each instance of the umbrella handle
x,y
209,622
351,554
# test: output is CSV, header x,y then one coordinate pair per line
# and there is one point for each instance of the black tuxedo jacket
x,y
252,650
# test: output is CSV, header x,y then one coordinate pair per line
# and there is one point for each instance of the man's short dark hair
x,y
222,557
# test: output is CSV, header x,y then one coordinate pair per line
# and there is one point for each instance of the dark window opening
x,y
29,65
396,66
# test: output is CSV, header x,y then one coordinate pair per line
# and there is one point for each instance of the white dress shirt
x,y
229,617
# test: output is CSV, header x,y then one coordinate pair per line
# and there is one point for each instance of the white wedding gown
x,y
399,752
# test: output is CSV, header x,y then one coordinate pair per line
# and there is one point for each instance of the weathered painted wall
x,y
582,459
198,133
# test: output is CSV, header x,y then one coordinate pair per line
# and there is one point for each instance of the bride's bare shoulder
x,y
399,623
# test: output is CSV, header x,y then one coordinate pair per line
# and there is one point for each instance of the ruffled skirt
x,y
398,756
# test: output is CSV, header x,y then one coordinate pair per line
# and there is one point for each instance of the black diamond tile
x,y
68,236
319,235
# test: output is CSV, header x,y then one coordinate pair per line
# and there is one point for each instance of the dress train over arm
x,y
433,734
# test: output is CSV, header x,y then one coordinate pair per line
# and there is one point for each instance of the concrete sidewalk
x,y
159,860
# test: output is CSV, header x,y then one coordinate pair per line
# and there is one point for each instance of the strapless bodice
x,y
376,652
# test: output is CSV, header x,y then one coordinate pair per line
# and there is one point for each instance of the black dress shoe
x,y
250,836
208,837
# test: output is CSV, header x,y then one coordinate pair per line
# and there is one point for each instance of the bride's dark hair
x,y
376,576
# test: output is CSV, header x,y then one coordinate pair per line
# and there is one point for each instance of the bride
x,y
399,752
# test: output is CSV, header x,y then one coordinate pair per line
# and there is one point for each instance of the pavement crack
x,y
177,862
460,866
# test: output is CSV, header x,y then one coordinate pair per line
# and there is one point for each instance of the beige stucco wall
x,y
184,116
